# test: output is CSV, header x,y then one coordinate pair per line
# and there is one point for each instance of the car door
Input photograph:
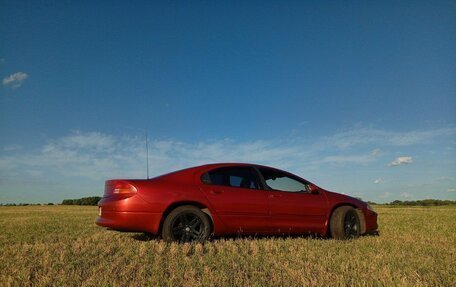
x,y
293,208
236,196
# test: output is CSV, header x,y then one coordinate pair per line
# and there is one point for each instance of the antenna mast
x,y
147,154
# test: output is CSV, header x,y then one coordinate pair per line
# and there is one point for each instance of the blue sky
x,y
358,97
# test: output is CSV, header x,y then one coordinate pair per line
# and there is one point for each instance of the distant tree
x,y
67,202
423,202
93,200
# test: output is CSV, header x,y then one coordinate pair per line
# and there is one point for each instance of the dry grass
x,y
61,246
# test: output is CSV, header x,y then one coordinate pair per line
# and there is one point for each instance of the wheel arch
x,y
177,204
358,210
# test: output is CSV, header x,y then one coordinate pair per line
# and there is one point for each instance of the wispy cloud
x,y
401,160
15,80
406,195
98,155
344,157
375,152
451,190
365,136
91,157
13,147
347,159
445,178
79,140
384,195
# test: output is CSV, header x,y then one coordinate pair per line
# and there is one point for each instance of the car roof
x,y
206,167
223,164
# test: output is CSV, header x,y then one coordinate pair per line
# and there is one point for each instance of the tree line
x,y
92,200
423,202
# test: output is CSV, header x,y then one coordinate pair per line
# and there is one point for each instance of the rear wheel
x,y
345,223
186,223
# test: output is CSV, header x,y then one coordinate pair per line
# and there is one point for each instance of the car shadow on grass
x,y
149,237
145,237
265,237
281,236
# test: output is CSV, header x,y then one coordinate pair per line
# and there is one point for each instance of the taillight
x,y
120,187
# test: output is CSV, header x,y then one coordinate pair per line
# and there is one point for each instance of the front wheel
x,y
345,223
186,223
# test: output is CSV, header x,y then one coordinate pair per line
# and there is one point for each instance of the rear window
x,y
242,177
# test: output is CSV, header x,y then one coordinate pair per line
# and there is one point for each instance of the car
x,y
197,203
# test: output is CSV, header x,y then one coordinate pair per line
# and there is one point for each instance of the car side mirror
x,y
313,189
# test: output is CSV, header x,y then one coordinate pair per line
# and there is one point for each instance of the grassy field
x,y
61,246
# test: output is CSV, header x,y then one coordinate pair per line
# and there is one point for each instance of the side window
x,y
244,177
277,180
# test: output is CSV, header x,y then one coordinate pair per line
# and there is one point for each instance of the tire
x,y
185,224
345,223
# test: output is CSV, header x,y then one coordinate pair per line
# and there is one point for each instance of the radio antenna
x,y
147,154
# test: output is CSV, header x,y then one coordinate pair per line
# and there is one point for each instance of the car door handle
x,y
275,195
217,191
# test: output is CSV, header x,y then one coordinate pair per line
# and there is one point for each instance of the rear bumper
x,y
130,221
128,214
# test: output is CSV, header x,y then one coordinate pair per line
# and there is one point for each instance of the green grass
x,y
61,246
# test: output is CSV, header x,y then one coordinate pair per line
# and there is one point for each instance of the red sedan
x,y
222,199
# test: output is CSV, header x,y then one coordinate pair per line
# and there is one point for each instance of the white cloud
x,y
89,140
406,195
15,80
12,147
363,159
375,152
401,160
451,190
99,156
385,194
445,178
368,136
344,159
34,172
89,158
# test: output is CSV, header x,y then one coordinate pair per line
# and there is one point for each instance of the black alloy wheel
x,y
186,227
186,224
351,225
345,223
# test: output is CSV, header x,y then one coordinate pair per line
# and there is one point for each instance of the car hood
x,y
335,197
